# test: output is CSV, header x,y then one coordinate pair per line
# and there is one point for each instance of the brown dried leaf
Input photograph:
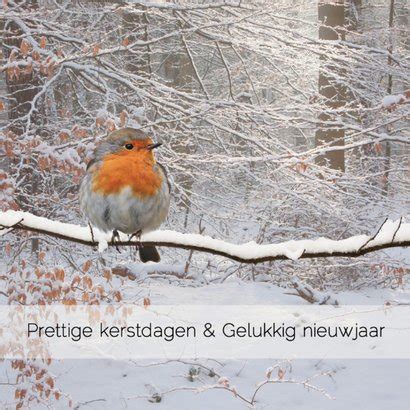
x,y
43,42
117,296
88,282
80,132
13,56
76,281
35,55
123,118
24,47
87,266
10,73
107,275
99,121
96,49
378,148
110,125
63,136
17,72
50,382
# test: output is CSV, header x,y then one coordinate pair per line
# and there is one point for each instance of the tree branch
x,y
390,235
311,295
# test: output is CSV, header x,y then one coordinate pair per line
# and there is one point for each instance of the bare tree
x,y
332,19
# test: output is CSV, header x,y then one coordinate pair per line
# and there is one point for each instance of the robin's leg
x,y
137,235
92,233
115,238
92,236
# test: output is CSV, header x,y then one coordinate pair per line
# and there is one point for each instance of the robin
x,y
125,189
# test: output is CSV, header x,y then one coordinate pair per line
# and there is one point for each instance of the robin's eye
x,y
129,146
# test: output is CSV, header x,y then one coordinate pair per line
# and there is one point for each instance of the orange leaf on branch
x,y
79,132
96,50
35,55
24,47
110,125
63,136
87,266
88,282
123,118
43,42
378,148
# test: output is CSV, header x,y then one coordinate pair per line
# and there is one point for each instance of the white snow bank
x,y
143,270
248,251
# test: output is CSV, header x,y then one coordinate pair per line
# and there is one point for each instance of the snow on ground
x,y
107,384
247,293
368,385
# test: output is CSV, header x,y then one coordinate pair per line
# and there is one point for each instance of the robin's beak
x,y
150,147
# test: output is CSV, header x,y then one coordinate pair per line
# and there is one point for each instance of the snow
x,y
143,270
368,385
102,114
364,384
399,230
102,245
242,163
390,100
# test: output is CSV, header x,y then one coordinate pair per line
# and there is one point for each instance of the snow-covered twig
x,y
312,295
388,236
223,383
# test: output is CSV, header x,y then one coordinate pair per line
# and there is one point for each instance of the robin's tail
x,y
149,253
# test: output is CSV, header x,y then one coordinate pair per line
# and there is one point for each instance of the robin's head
x,y
127,142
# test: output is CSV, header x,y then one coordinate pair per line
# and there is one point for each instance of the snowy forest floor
x,y
109,384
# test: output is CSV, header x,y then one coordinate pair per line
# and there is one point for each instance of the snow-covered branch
x,y
390,234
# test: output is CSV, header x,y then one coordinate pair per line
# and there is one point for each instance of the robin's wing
x,y
166,175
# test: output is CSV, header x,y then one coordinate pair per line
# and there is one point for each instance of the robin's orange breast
x,y
135,170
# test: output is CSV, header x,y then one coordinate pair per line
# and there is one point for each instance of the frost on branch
x,y
389,234
390,102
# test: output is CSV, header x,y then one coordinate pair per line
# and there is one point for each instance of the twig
x,y
374,236
188,262
11,227
397,230
227,69
311,295
92,232
84,403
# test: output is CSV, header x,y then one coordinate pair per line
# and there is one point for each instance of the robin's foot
x,y
115,238
137,236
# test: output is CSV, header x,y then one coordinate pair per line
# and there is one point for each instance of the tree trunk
x,y
332,18
23,87
389,91
179,71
